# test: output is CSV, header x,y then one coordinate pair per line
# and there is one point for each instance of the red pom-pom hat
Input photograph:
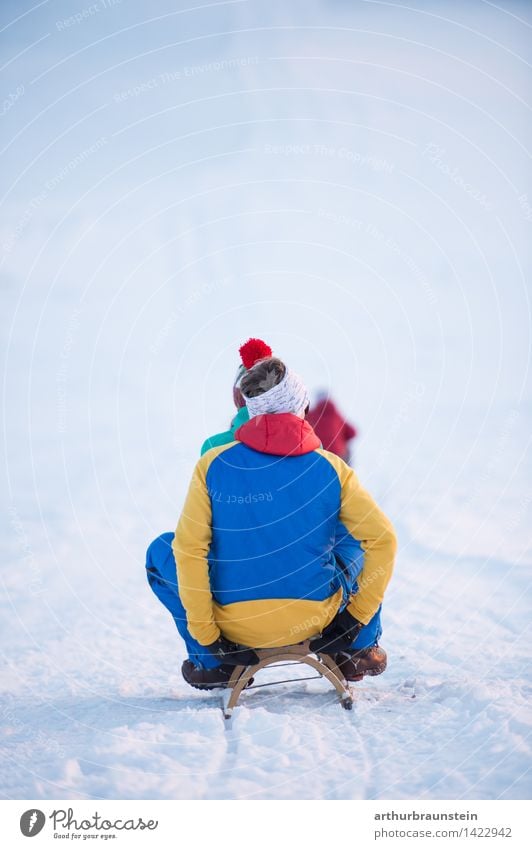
x,y
250,353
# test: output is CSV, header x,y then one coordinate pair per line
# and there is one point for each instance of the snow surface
x,y
351,183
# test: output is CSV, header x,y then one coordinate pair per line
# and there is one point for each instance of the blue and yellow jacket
x,y
267,522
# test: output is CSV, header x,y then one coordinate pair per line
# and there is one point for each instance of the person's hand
x,y
232,654
339,635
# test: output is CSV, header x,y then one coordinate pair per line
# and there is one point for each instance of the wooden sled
x,y
299,653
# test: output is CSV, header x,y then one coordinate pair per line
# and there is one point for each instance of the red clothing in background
x,y
331,428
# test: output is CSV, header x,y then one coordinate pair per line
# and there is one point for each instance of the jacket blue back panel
x,y
274,524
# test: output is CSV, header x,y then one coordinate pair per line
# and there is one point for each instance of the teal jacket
x,y
228,435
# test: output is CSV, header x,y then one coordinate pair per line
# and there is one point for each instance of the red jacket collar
x,y
278,433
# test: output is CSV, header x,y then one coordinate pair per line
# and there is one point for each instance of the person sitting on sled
x,y
277,543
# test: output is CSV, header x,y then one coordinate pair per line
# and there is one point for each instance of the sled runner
x,y
299,653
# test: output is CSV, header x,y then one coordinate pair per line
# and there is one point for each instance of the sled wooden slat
x,y
299,653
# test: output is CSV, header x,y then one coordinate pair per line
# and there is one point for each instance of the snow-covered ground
x,y
349,181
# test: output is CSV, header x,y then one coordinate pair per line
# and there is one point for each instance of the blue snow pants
x,y
162,578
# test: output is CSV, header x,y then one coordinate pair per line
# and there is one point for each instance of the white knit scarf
x,y
288,396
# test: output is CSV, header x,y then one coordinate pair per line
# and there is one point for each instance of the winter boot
x,y
356,664
207,679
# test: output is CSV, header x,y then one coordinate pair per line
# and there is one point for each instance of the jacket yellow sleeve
x,y
368,524
191,547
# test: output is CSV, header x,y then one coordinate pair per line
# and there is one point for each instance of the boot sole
x,y
377,670
207,686
221,686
